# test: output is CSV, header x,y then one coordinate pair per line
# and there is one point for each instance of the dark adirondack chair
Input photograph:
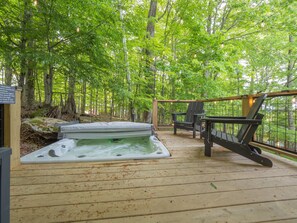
x,y
192,119
237,143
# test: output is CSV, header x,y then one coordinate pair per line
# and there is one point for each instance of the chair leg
x,y
174,131
246,151
207,145
253,155
194,132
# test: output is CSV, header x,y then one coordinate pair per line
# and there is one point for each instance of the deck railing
x,y
278,129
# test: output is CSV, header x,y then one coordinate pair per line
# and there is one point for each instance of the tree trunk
x,y
150,66
91,102
127,66
96,103
251,91
83,101
27,16
105,101
207,73
21,81
8,70
38,87
29,88
28,65
48,85
209,19
111,106
238,82
70,106
290,74
151,17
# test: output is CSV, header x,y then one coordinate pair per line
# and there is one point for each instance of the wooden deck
x,y
186,187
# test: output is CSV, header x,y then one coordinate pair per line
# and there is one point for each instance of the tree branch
x,y
225,17
215,16
232,26
166,9
293,65
293,79
8,36
240,36
73,34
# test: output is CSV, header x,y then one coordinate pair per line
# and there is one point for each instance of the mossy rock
x,y
43,124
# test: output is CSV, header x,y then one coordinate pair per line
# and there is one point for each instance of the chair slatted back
x,y
251,115
193,108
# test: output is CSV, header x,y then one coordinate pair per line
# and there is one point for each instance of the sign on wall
x,y
7,94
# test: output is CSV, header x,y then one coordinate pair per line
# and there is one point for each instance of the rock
x,y
38,132
43,124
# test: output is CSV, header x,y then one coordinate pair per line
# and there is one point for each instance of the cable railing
x,y
279,124
278,128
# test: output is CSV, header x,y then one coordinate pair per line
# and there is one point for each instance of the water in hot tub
x,y
113,147
105,147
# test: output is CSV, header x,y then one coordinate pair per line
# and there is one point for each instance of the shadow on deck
x,y
187,187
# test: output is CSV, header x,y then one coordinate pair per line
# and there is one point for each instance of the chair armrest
x,y
232,120
196,117
179,113
200,114
228,117
175,114
209,124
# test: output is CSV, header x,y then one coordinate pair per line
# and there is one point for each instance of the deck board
x,y
259,212
186,187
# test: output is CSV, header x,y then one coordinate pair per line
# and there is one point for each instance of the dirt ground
x,y
32,140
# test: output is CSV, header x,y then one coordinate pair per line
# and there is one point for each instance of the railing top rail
x,y
272,94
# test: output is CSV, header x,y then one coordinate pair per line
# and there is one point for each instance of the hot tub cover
x,y
106,130
107,127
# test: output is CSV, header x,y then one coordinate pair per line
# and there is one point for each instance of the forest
x,y
116,56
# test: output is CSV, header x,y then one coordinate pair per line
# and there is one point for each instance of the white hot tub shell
x,y
101,142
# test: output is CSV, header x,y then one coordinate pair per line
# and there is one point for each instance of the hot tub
x,y
98,143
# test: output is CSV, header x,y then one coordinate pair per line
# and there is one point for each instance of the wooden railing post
x,y
155,113
247,103
12,126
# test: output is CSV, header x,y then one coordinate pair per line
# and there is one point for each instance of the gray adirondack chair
x,y
192,118
237,143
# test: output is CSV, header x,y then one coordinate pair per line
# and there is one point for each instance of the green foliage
x,y
201,49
